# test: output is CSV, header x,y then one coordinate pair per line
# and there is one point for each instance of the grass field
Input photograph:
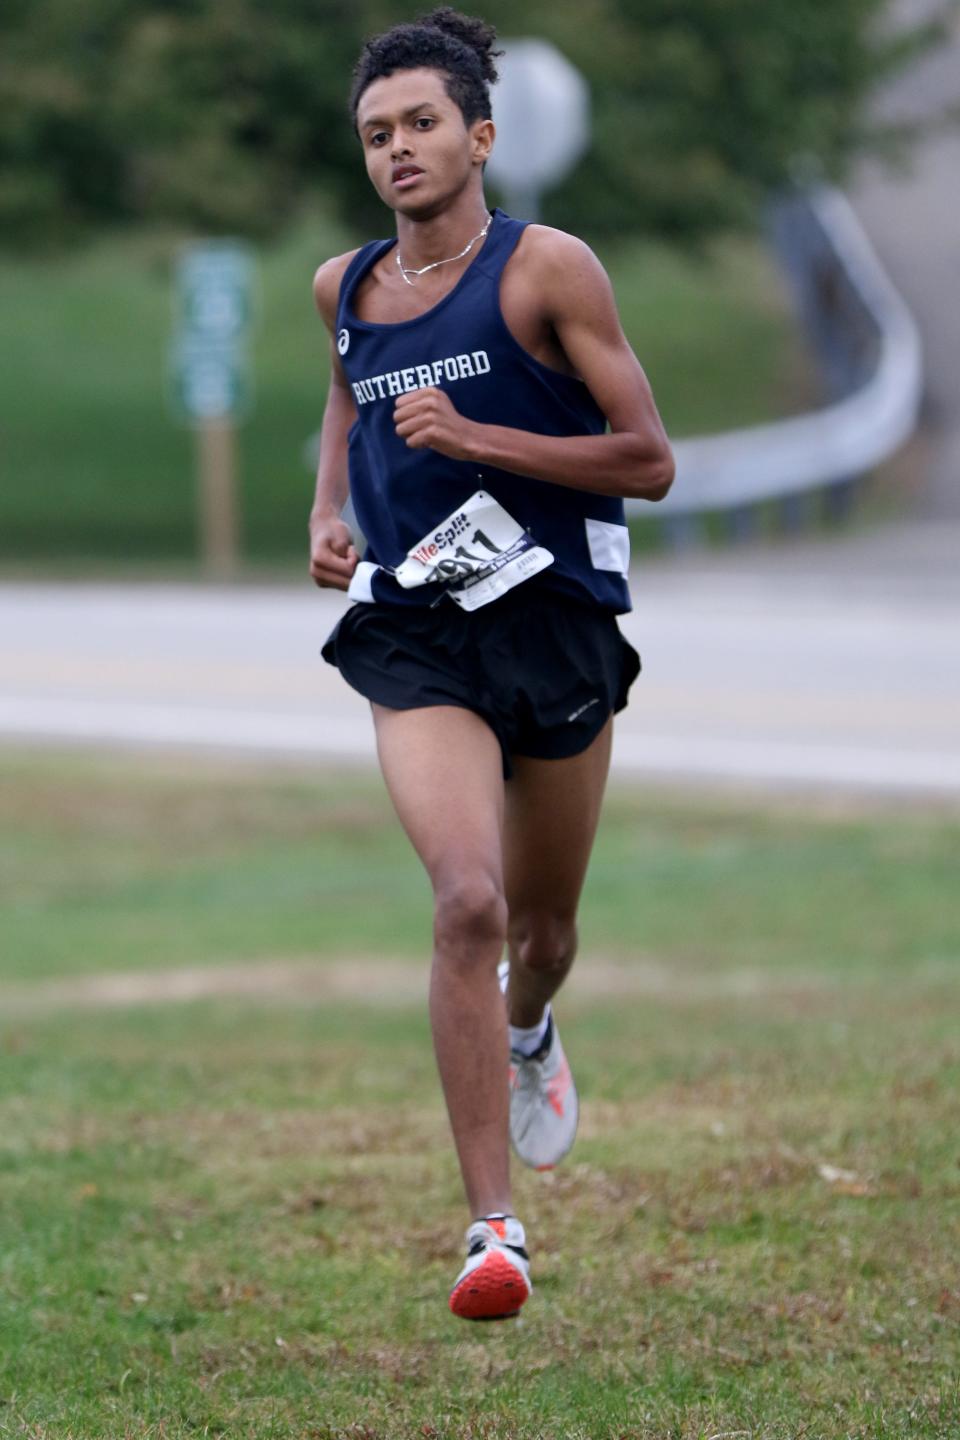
x,y
238,1215
96,470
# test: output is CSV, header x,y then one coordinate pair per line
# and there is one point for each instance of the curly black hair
x,y
459,46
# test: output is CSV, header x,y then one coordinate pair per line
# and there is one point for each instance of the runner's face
x,y
418,151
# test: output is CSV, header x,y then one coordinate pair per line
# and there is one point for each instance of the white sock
x,y
528,1041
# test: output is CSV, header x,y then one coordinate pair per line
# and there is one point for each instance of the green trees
x,y
203,113
226,115
702,107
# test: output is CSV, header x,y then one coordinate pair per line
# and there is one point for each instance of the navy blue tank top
x,y
463,346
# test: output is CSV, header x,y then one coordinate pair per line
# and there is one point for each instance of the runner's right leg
x,y
443,769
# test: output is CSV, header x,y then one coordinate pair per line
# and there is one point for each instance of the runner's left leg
x,y
552,811
443,769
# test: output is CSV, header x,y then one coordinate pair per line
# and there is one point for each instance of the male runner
x,y
487,415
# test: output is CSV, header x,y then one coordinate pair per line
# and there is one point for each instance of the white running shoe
x,y
495,1281
544,1107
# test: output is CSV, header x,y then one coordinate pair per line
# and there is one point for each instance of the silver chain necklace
x,y
406,271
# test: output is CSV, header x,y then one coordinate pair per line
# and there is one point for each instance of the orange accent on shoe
x,y
558,1089
494,1291
499,1228
542,1168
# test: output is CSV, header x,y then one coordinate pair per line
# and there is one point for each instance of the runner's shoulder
x,y
556,261
543,244
326,285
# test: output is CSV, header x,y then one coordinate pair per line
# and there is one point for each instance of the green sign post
x,y
211,380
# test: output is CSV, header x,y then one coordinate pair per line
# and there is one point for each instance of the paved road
x,y
833,663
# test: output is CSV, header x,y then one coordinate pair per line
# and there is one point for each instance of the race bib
x,y
479,553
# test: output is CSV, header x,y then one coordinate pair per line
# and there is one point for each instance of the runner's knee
x,y
470,917
546,943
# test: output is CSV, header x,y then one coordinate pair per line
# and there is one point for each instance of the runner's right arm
x,y
333,557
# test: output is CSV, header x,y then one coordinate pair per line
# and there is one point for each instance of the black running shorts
x,y
544,671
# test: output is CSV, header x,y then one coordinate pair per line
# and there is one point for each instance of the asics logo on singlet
x,y
343,342
417,377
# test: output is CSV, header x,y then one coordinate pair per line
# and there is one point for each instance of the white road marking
x,y
282,733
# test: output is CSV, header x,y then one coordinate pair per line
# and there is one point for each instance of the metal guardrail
x,y
870,356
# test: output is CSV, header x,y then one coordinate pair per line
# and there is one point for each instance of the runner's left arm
x,y
633,459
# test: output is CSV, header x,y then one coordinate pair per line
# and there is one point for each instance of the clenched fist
x,y
426,419
333,557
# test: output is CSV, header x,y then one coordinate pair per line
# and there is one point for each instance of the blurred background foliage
x,y
129,126
229,115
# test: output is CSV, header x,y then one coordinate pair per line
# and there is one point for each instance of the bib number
x,y
479,553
